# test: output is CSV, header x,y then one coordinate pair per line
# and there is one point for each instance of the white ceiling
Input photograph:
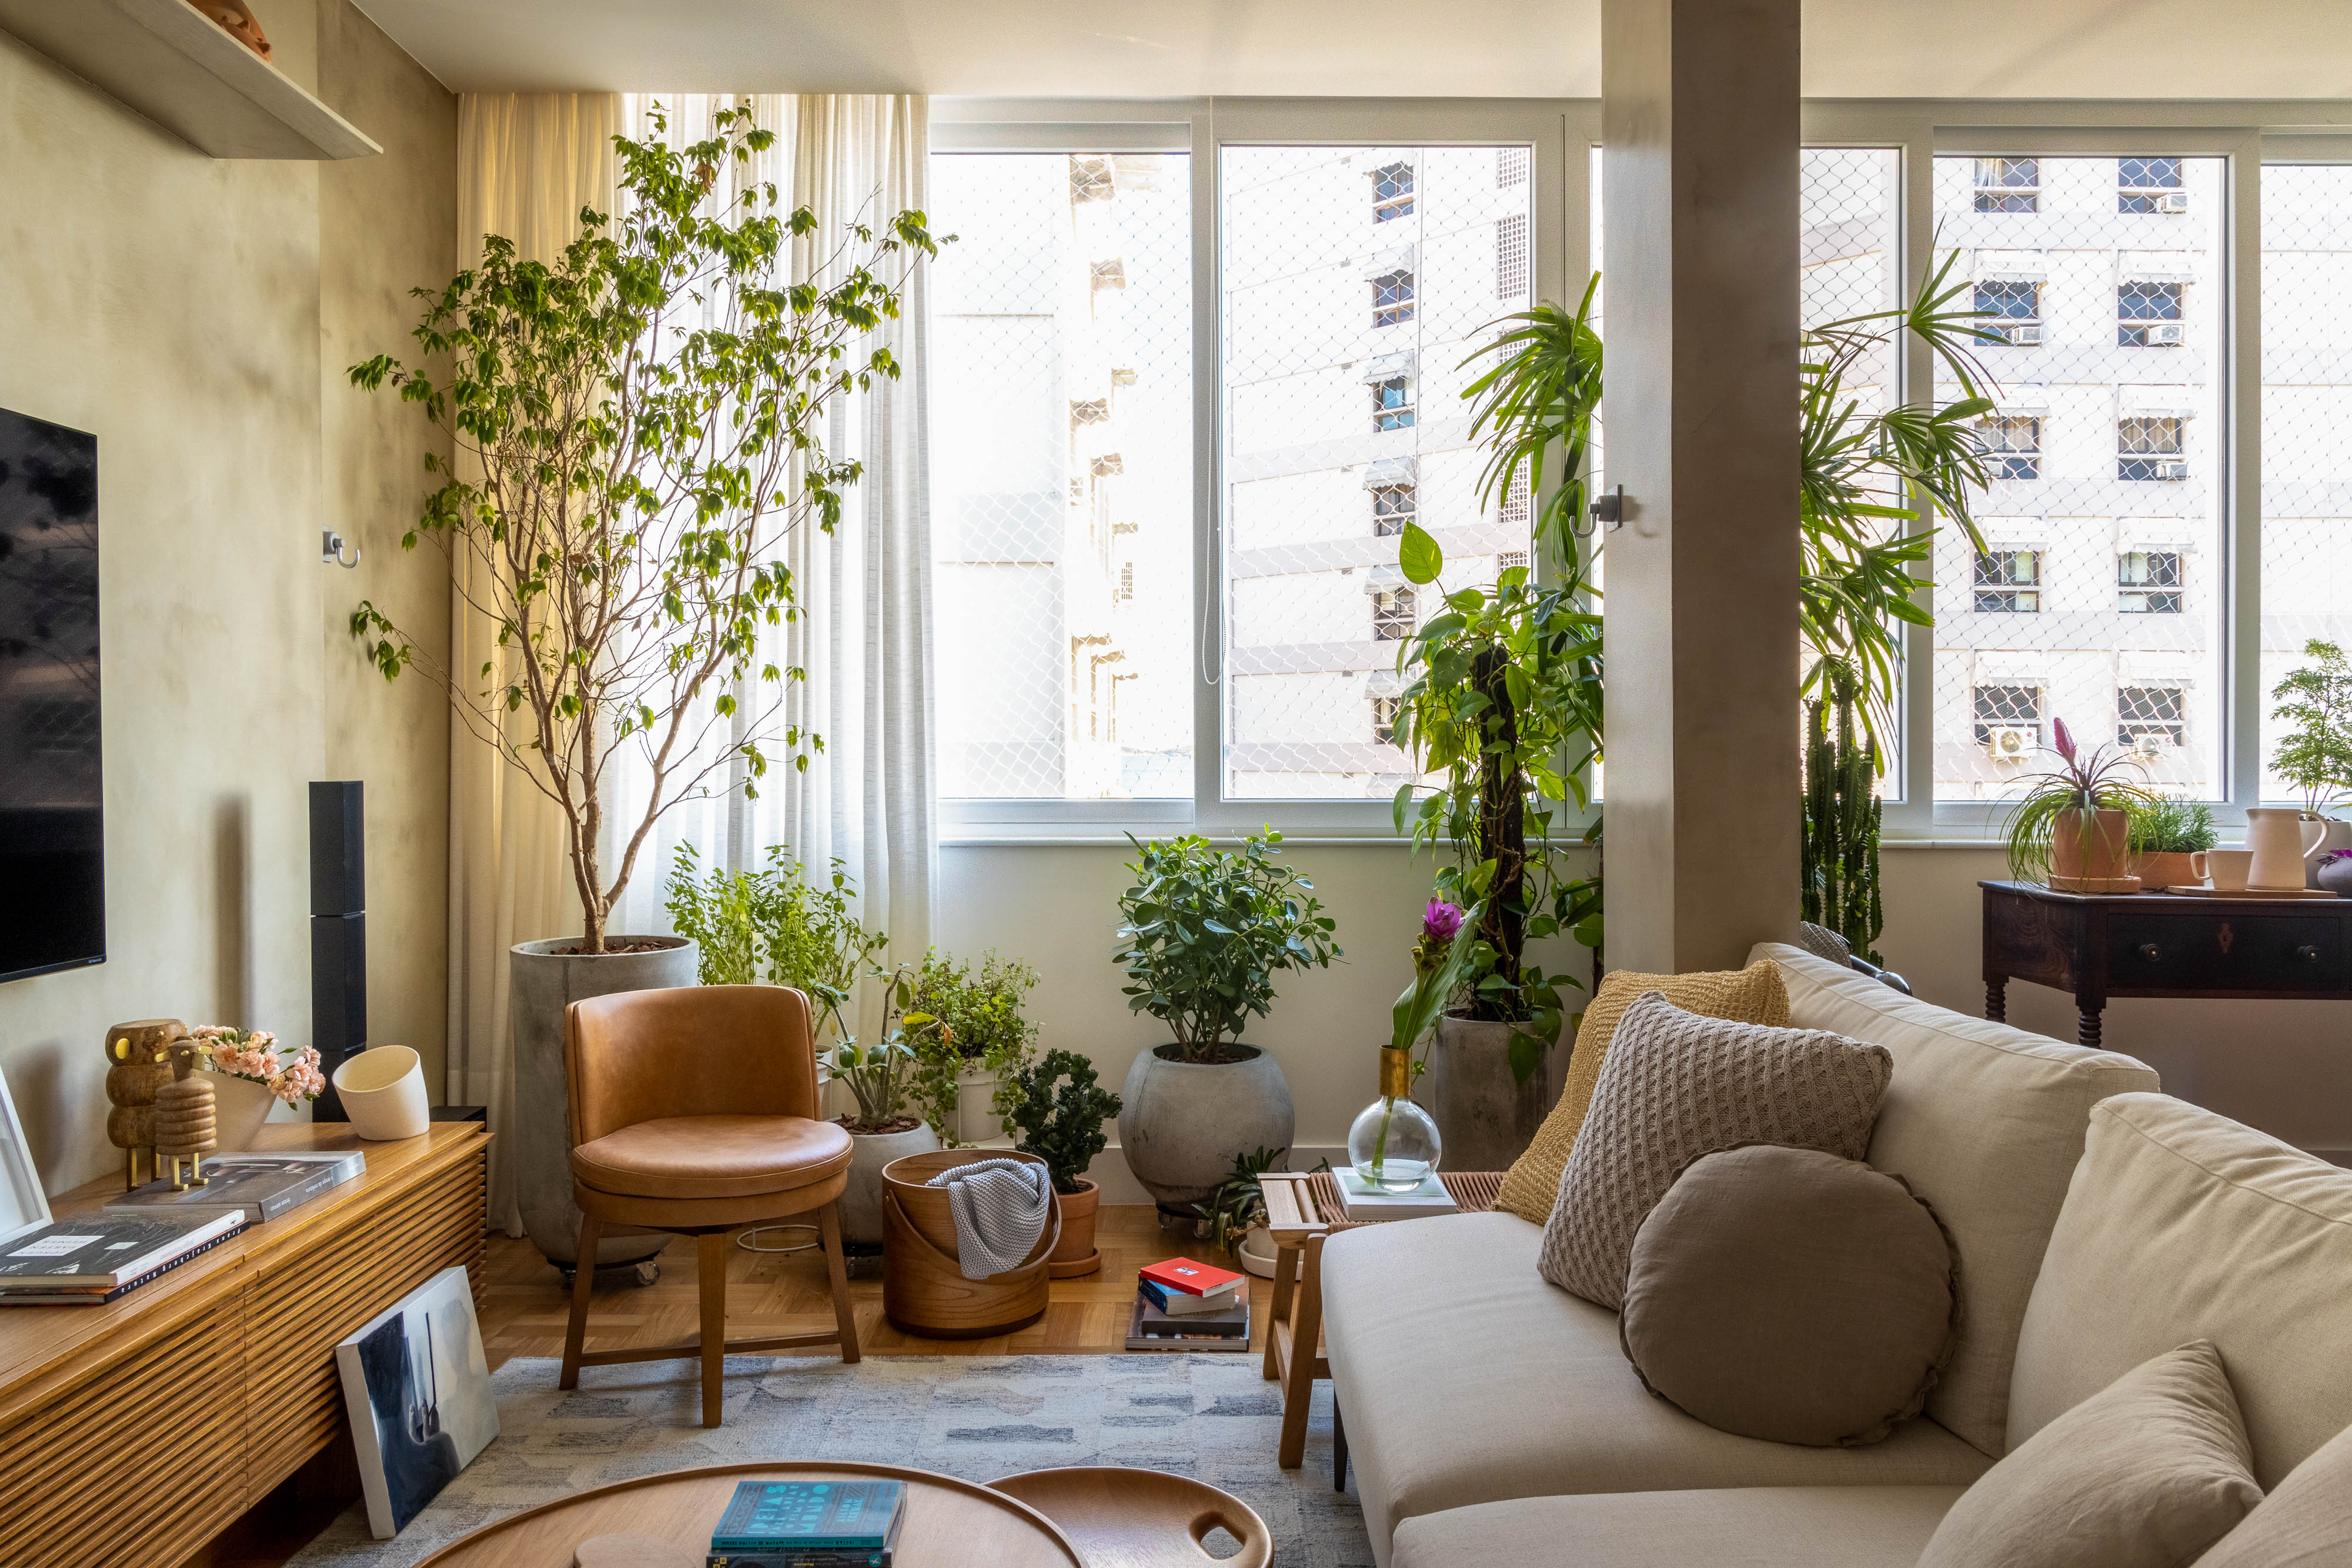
x,y
1863,48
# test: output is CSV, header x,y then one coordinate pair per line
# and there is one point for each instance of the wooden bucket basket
x,y
924,1292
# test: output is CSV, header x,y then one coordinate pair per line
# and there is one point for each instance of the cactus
x,y
1840,836
1063,1128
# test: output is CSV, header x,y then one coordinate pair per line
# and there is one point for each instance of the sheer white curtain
x,y
527,163
863,634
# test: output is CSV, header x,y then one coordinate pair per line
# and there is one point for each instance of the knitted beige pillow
x,y
1676,1085
1753,995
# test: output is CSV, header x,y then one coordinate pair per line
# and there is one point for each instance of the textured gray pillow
x,y
1676,1085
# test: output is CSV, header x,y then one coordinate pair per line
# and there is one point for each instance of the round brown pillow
x,y
1792,1295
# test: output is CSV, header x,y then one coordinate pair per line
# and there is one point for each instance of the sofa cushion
x,y
1676,1085
2183,1225
1986,1122
1464,1378
2304,1523
1753,995
2146,1473
1749,1526
1792,1295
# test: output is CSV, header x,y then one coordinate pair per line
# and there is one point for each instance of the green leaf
x,y
1417,555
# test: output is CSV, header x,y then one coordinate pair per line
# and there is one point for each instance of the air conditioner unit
x,y
2162,334
2172,201
2010,742
2024,334
2172,470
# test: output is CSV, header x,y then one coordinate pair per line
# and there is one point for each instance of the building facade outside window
x,y
1392,298
1393,506
2147,717
1392,614
2009,581
2147,582
2012,444
2147,448
2149,186
2148,314
1393,404
1392,193
2007,185
2006,714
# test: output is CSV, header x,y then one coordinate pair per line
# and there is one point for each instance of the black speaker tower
x,y
338,933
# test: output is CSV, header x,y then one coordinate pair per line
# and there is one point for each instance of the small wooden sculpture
x,y
139,1063
184,1119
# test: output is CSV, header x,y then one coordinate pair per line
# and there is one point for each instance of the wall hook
x,y
330,549
1609,510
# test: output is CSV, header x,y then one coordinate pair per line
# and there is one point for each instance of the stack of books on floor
x,y
810,1524
92,1259
1183,1305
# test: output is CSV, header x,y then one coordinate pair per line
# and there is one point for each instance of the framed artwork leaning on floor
x,y
417,1387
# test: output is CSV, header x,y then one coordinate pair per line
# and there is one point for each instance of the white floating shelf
x,y
175,65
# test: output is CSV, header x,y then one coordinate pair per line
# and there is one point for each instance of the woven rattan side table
x,y
1302,1212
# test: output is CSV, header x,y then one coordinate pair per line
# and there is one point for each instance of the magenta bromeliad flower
x,y
1441,922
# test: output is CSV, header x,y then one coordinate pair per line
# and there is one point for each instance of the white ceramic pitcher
x,y
2280,837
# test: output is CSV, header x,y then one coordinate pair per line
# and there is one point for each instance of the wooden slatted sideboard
x,y
133,1433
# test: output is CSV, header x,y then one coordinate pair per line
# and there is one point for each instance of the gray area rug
x,y
1208,1416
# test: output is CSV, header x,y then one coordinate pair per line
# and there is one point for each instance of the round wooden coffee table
x,y
948,1520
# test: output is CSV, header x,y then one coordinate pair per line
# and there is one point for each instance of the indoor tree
x,y
638,430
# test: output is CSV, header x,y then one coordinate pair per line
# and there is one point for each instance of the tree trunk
x,y
1502,829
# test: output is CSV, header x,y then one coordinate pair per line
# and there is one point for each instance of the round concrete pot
x,y
861,1200
544,980
1074,1256
1485,1118
1182,1122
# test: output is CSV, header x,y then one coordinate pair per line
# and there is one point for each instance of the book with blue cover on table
x,y
816,1516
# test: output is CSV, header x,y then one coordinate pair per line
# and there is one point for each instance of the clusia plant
x,y
255,1056
1394,1143
638,430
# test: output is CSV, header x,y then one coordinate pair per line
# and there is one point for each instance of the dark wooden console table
x,y
2161,944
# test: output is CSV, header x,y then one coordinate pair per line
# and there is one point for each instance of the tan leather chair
x,y
695,1110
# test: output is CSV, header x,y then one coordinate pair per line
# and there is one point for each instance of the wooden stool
x,y
1120,1517
924,1292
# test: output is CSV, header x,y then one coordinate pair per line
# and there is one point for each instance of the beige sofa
x,y
1493,1418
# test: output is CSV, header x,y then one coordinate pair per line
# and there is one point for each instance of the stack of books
x,y
1362,1201
87,1261
264,1185
810,1524
1183,1305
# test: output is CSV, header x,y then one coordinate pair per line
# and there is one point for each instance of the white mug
x,y
2226,869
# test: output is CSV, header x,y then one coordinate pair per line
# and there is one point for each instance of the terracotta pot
x,y
2097,849
1075,1254
2160,869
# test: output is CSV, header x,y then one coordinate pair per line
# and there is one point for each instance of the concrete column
x,y
1699,179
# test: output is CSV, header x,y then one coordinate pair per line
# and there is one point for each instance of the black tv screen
x,y
52,833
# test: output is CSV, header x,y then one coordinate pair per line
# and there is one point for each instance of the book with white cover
x,y
1361,1201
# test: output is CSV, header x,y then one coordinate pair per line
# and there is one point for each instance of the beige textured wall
x,y
172,303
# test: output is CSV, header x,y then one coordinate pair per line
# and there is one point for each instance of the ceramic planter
x,y
1184,1122
383,1092
2336,836
2336,876
544,980
1256,1251
1074,1254
2094,846
1485,1118
861,1200
239,1108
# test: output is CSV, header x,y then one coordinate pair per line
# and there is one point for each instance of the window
x,y
2009,581
2009,719
1510,561
1069,265
1392,193
2008,302
1392,508
2147,315
2149,186
1510,167
2148,447
1392,614
1384,720
1511,257
2147,582
2147,717
2009,185
1392,298
2014,446
1393,404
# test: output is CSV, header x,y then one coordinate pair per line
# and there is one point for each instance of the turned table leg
x,y
1997,999
2086,1033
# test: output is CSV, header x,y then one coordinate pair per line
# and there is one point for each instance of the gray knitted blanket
x,y
1001,1207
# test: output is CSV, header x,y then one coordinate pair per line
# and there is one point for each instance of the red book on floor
x,y
1183,1274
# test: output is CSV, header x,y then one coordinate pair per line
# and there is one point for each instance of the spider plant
x,y
2068,797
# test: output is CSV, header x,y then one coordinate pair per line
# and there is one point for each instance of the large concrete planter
x,y
1182,1122
543,982
1485,1118
861,1201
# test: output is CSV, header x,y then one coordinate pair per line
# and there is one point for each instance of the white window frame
x,y
2246,133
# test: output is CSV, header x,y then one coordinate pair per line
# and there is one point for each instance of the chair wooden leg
x,y
1305,1332
836,1267
584,1277
711,1254
1285,1268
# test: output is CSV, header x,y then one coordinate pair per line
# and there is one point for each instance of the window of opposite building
x,y
1393,299
1392,508
2148,447
2007,185
2007,717
2149,186
2148,314
2147,582
1393,404
2013,446
2009,581
2151,716
1392,193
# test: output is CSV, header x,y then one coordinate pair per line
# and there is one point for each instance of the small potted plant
x,y
254,1072
1063,1127
1205,932
2168,837
2315,755
985,1041
1234,1215
880,1076
2073,828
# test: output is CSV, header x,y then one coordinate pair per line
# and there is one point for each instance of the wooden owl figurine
x,y
138,1065
184,1119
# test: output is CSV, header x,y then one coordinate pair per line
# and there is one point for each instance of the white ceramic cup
x,y
383,1090
2228,868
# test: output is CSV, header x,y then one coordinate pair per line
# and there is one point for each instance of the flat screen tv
x,y
52,833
